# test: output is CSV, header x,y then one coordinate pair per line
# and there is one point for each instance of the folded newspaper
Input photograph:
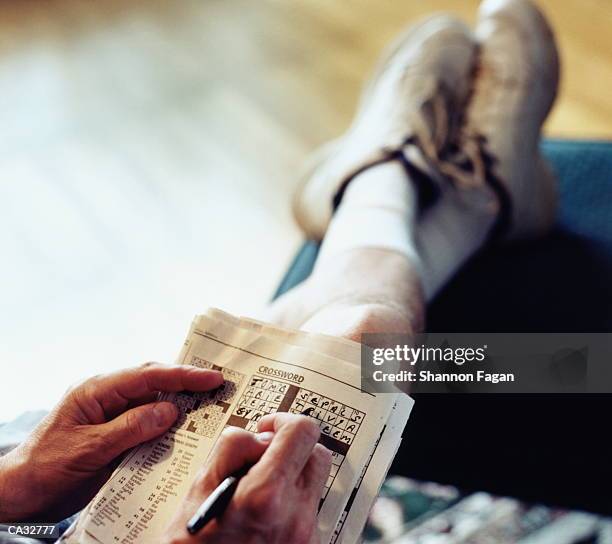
x,y
267,370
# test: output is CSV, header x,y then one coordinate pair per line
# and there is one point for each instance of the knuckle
x,y
73,387
85,386
101,441
306,427
83,391
86,447
133,423
72,393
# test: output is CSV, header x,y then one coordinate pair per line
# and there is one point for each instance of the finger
x,y
154,377
151,397
294,439
108,395
315,538
134,427
234,449
266,423
316,473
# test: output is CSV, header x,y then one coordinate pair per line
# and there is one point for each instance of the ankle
x,y
452,232
382,185
377,210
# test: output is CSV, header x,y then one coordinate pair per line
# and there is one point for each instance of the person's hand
x,y
74,449
277,501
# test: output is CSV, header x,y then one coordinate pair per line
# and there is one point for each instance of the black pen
x,y
216,503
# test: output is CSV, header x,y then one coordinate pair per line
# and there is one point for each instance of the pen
x,y
216,503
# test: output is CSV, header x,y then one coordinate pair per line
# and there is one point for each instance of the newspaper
x,y
266,369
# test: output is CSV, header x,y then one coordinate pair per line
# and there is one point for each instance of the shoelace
x,y
464,165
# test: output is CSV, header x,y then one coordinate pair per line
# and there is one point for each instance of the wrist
x,y
15,496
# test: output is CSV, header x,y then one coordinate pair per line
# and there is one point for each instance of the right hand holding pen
x,y
277,501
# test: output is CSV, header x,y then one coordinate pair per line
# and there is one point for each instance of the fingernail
x,y
164,413
265,437
230,429
216,373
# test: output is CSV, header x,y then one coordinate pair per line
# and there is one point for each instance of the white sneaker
x,y
514,88
411,109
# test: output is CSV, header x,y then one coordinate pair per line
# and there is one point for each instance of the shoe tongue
x,y
465,167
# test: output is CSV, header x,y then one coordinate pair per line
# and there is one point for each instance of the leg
x,y
369,277
366,277
427,105
364,290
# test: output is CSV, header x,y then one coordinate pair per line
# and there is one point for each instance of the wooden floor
x,y
148,150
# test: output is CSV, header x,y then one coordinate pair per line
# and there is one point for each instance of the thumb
x,y
136,426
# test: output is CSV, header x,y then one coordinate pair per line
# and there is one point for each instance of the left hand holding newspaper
x,y
267,370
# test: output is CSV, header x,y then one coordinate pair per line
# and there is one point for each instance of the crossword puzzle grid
x,y
339,423
262,396
203,413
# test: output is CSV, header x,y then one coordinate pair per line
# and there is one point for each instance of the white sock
x,y
446,237
378,210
